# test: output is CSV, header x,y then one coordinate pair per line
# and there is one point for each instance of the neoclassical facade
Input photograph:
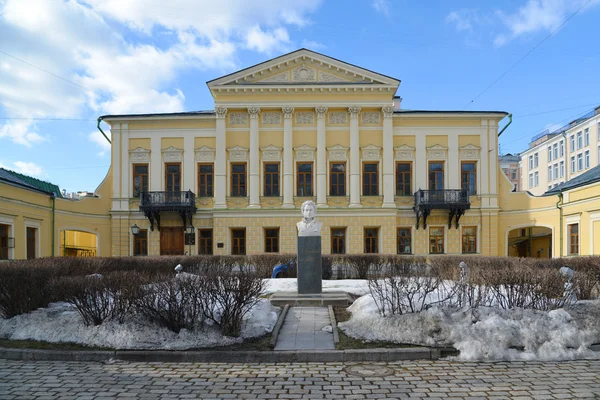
x,y
298,127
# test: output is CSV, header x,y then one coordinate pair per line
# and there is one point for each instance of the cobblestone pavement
x,y
421,379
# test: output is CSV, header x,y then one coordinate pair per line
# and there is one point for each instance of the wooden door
x,y
171,241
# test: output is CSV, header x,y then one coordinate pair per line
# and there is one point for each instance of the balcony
x,y
153,203
454,200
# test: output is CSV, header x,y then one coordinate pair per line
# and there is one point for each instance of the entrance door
x,y
171,241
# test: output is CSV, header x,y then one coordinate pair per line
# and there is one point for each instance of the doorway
x,y
171,241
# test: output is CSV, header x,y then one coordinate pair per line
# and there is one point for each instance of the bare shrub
x,y
175,303
24,289
228,297
360,266
265,262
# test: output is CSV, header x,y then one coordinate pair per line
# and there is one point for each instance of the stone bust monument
x,y
309,226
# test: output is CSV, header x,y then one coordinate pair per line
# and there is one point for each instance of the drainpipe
x,y
53,197
499,133
106,137
560,223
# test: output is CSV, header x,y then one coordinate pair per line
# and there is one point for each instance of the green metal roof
x,y
29,182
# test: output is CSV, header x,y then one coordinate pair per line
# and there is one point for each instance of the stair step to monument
x,y
333,298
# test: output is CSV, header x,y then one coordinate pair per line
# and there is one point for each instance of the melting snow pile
x,y
486,333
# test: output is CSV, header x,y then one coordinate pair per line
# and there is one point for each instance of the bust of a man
x,y
309,226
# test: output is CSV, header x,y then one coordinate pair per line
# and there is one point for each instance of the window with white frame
x,y
586,137
549,172
562,169
587,159
549,153
572,164
572,141
530,180
531,161
555,148
579,162
536,179
535,160
555,171
579,140
562,148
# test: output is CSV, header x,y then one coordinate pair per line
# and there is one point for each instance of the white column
x,y
321,158
220,160
254,159
155,164
115,133
188,164
388,157
125,189
493,143
288,159
453,163
420,166
354,158
485,151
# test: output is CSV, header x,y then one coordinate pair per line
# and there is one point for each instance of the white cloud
x,y
312,45
381,6
28,168
20,132
267,42
100,141
462,19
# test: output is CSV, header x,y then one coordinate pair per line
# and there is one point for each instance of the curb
x,y
336,335
214,356
278,325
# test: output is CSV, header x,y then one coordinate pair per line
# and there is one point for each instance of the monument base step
x,y
332,298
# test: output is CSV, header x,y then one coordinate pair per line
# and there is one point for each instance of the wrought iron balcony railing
x,y
454,200
153,203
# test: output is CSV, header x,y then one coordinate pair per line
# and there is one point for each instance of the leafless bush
x,y
265,262
228,297
175,303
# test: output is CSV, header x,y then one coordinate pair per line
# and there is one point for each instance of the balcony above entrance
x,y
153,203
454,200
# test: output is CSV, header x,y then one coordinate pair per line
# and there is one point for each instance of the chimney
x,y
398,100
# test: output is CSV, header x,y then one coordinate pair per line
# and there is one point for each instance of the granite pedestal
x,y
310,269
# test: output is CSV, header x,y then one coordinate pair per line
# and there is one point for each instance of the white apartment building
x,y
555,157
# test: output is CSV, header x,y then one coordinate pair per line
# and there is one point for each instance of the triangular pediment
x,y
437,147
470,146
303,67
404,147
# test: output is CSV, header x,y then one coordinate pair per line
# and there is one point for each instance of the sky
x,y
64,63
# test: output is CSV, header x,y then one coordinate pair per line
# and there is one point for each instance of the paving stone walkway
x,y
400,380
302,330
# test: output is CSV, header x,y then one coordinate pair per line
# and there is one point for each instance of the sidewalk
x,y
302,330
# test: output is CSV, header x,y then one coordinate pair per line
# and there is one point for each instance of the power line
x,y
526,55
46,119
54,75
553,111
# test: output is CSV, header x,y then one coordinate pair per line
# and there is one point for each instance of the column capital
x,y
354,110
287,112
253,111
387,111
321,111
221,112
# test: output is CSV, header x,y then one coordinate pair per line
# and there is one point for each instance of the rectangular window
x,y
436,175
304,179
173,177
31,242
238,241
572,164
579,140
370,179
4,242
513,174
530,180
535,160
555,171
206,179
271,179
205,242
140,243
536,179
404,179
337,179
531,162
468,174
371,240
272,240
587,159
404,241
549,172
338,240
436,240
573,239
579,162
469,239
238,180
549,153
562,169
555,148
562,148
586,137
140,179
572,142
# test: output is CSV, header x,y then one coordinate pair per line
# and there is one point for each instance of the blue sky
x,y
64,63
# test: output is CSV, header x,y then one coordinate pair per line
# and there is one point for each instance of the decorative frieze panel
x,y
205,154
238,153
304,74
271,117
469,152
437,152
326,77
371,153
283,77
404,152
337,153
305,118
271,153
238,118
172,154
371,117
305,153
139,155
338,117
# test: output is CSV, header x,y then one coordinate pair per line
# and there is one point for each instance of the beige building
x,y
510,166
556,157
